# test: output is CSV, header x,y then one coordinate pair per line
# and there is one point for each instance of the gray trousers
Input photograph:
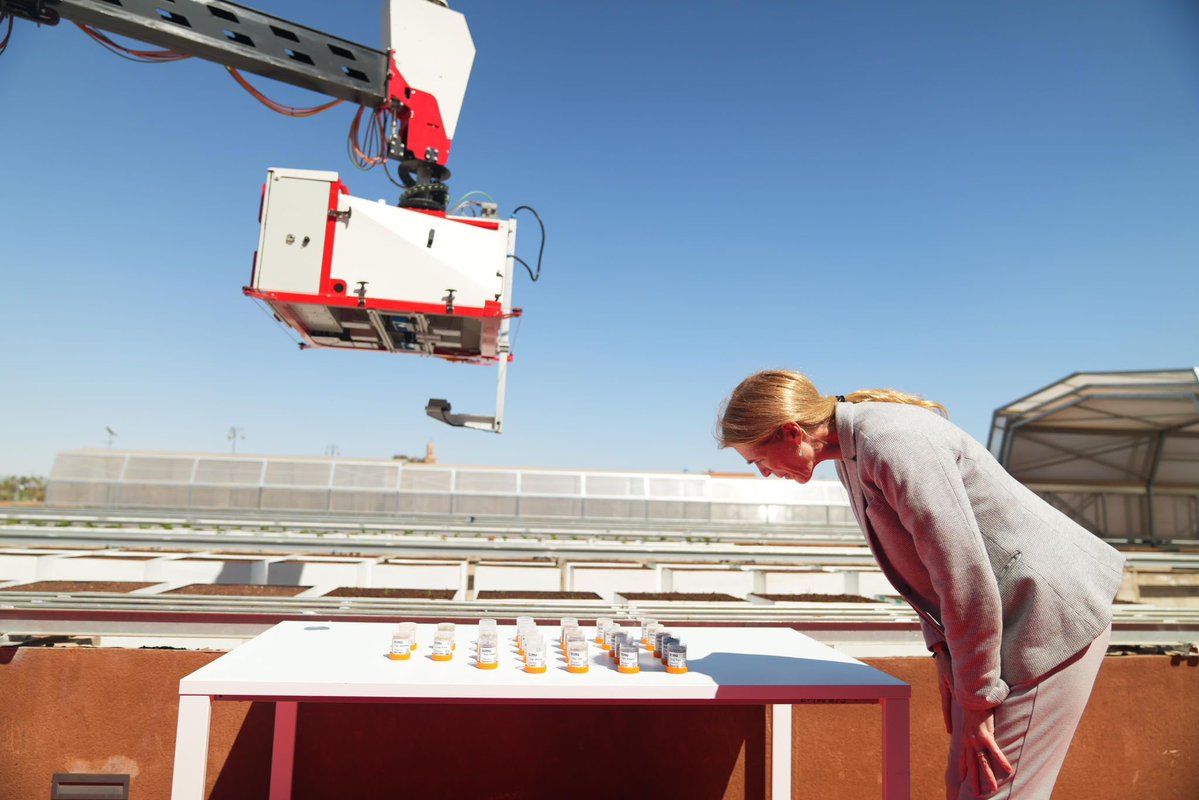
x,y
1034,727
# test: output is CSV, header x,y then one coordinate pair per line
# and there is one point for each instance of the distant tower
x,y
430,454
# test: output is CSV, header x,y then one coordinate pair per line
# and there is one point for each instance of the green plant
x,y
23,488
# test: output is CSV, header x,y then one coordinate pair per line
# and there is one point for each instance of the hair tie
x,y
840,398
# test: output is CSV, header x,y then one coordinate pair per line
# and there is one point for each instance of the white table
x,y
296,662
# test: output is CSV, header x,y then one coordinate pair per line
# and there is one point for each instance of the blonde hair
x,y
764,402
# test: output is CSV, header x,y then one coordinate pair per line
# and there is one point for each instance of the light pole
x,y
111,435
233,435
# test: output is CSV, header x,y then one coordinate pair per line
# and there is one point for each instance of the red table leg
x,y
283,753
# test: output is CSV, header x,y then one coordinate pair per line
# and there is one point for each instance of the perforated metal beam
x,y
240,37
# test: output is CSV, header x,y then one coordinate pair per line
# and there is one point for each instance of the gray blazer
x,y
1010,584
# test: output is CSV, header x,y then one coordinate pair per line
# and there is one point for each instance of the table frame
x,y
195,713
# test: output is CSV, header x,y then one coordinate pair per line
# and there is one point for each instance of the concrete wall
x,y
109,710
211,569
427,575
319,572
800,582
20,565
729,580
607,581
511,577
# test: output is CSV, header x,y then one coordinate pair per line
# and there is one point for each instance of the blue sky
x,y
962,200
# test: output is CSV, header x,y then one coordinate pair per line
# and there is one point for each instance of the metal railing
x,y
104,479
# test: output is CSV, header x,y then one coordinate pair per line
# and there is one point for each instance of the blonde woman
x,y
1014,597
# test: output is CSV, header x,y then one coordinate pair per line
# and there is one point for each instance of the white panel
x,y
563,483
244,472
500,578
874,583
366,476
187,570
86,465
805,583
486,481
416,576
98,569
156,468
18,567
433,51
297,473
604,581
734,582
408,256
294,213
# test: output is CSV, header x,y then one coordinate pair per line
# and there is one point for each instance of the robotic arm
x,y
342,271
420,78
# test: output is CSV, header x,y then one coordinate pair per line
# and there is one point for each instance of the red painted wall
x,y
111,710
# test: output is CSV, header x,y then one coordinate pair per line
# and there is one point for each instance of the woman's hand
x,y
945,682
983,764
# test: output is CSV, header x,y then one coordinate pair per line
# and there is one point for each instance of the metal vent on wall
x,y
89,786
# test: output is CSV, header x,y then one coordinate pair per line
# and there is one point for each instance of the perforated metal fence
x,y
195,482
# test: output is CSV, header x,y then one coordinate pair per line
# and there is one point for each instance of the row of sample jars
x,y
404,644
531,645
622,645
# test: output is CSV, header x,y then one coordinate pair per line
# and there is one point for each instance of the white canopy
x,y
1119,451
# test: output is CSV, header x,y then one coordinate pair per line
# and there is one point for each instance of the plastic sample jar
x,y
401,647
447,627
667,641
621,639
443,646
535,654
627,662
524,630
676,658
600,625
659,635
487,626
648,632
571,634
646,625
609,634
488,654
408,629
567,622
578,657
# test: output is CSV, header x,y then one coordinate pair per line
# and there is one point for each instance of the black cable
x,y
521,261
540,250
387,172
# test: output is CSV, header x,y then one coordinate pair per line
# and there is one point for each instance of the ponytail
x,y
764,402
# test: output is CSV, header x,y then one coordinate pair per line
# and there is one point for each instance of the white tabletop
x,y
331,660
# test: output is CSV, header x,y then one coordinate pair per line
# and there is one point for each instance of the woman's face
x,y
788,454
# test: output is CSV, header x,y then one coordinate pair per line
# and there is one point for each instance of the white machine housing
x,y
359,274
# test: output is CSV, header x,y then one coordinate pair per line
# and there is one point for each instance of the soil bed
x,y
79,586
240,590
690,597
405,594
530,595
817,598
